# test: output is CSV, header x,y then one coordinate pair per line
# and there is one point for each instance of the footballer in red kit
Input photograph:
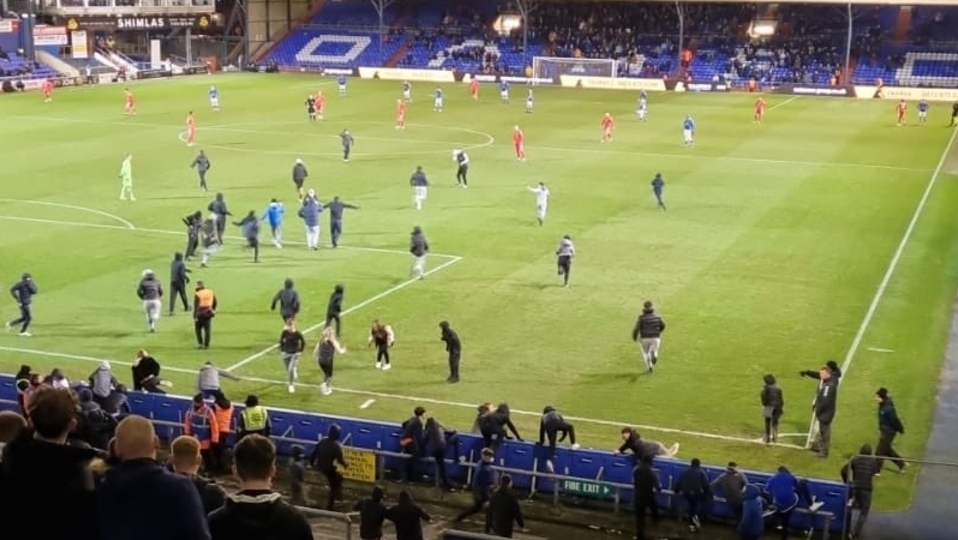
x,y
519,141
190,129
47,91
320,104
759,110
400,114
474,89
901,109
608,124
129,106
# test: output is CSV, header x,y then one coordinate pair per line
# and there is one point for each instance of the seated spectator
x,y
140,499
256,511
11,424
372,514
186,460
407,516
43,477
102,382
117,404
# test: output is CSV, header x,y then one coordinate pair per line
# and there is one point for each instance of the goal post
x,y
550,67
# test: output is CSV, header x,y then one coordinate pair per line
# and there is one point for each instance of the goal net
x,y
548,67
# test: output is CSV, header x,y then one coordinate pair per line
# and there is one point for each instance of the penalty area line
x,y
889,272
383,395
256,356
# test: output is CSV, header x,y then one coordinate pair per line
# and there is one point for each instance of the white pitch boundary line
x,y
784,103
889,272
126,224
472,406
179,233
875,349
492,143
256,356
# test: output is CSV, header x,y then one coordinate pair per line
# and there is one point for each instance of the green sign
x,y
587,489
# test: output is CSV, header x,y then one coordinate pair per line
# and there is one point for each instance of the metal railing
x,y
326,514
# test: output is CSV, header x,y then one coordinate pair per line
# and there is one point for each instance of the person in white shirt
x,y
542,201
529,101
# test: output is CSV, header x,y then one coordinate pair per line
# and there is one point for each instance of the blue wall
x,y
10,41
365,434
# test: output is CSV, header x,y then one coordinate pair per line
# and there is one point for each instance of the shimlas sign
x,y
139,23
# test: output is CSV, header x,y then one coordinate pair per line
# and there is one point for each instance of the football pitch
x,y
826,232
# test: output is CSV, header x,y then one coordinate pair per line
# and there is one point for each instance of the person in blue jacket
x,y
310,213
786,492
752,525
274,215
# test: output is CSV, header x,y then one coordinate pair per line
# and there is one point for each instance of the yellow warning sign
x,y
361,466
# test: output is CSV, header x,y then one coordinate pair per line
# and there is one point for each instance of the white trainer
x,y
379,365
387,367
575,446
291,389
550,467
25,334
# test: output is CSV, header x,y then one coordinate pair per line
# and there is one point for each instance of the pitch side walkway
x,y
934,513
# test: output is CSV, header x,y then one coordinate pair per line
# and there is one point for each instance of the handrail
x,y
326,514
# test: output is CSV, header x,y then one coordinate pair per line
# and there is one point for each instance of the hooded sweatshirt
x,y
782,487
141,499
328,451
37,478
566,248
258,515
102,381
752,524
772,396
372,514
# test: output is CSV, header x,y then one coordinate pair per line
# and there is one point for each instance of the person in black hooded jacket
x,y
860,473
438,441
493,426
22,381
326,455
773,405
551,425
504,510
257,512
407,516
372,515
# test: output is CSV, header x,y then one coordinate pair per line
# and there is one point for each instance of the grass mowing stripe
x,y
418,400
255,356
889,272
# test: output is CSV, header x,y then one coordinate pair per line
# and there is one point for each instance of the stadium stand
x,y
524,459
14,65
809,45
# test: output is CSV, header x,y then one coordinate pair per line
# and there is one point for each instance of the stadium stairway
x,y
56,64
902,25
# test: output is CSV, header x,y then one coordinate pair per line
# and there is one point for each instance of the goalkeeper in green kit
x,y
126,178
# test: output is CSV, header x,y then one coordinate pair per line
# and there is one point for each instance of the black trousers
x,y
454,358
885,449
335,231
202,174
335,487
192,242
639,508
26,317
220,226
346,151
203,328
567,429
462,174
415,452
382,353
862,503
178,290
333,318
479,500
327,369
440,457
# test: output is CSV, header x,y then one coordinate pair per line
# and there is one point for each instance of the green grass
x,y
770,253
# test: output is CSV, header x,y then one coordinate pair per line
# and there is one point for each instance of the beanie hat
x,y
882,393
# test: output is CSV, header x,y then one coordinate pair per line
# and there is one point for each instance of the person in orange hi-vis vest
x,y
200,423
223,411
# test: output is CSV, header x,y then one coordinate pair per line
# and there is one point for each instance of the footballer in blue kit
x,y
437,102
688,131
504,91
922,112
406,91
214,98
341,81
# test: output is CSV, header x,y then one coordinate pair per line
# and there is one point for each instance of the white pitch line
x,y
892,266
472,406
126,224
367,403
179,233
784,103
874,349
255,356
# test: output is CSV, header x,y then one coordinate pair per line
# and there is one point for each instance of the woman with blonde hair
x,y
382,336
325,350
